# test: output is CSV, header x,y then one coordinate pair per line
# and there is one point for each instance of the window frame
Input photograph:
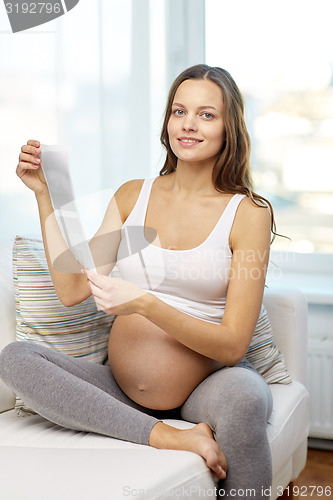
x,y
312,273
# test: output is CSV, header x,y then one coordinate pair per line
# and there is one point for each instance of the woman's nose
x,y
189,123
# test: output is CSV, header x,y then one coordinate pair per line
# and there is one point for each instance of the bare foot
x,y
199,440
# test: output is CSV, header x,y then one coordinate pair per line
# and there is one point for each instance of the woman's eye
x,y
178,112
208,116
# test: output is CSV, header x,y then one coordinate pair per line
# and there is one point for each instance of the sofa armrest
x,y
7,314
288,314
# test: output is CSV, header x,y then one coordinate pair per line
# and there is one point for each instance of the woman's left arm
x,y
229,341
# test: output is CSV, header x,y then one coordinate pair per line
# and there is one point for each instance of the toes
x,y
219,471
223,462
211,452
213,463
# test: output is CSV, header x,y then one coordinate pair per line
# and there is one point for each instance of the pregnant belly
x,y
151,367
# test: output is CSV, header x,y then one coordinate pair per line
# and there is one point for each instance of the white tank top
x,y
194,281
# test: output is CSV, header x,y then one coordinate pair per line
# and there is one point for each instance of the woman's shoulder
x,y
127,195
130,188
252,218
253,210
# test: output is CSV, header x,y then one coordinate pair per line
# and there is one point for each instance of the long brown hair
x,y
231,172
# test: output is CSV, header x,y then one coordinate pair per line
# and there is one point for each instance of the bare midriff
x,y
151,367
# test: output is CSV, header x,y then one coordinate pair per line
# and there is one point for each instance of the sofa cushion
x,y
105,474
27,439
264,354
80,331
287,432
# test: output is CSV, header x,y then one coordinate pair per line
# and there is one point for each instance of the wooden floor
x,y
317,475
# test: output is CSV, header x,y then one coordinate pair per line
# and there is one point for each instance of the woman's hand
x,y
29,167
114,295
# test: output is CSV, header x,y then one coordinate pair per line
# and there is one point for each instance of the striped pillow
x,y
79,331
264,355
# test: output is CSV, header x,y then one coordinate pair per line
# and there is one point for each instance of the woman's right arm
x,y
71,287
70,284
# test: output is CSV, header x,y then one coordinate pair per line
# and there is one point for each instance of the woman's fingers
x,y
101,297
95,290
28,168
29,153
33,142
110,293
30,149
28,158
99,304
97,279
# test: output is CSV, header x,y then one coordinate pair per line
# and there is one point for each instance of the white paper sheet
x,y
55,165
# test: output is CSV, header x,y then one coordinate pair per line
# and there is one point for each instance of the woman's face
x,y
196,127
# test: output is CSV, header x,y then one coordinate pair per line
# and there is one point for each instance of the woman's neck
x,y
192,178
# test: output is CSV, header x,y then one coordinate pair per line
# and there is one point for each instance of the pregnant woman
x,y
185,311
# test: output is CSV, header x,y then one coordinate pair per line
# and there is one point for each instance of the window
x,y
281,56
93,79
96,79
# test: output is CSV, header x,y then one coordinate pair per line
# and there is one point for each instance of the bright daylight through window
x,y
281,56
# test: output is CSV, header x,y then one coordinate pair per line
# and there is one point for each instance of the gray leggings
x,y
235,402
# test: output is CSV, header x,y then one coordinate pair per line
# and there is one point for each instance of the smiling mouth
x,y
189,140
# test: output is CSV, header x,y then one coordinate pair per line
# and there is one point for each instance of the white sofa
x,y
42,461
